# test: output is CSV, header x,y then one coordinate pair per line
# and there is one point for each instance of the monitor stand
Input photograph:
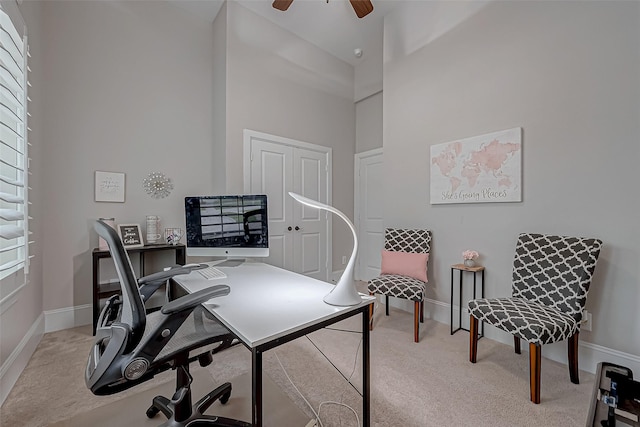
x,y
231,262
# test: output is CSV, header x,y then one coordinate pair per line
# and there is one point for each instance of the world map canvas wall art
x,y
480,169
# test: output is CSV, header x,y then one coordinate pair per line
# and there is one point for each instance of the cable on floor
x,y
317,414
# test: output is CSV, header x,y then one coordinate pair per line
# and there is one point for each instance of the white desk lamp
x,y
344,293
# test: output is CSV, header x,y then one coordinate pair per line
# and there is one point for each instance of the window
x,y
14,228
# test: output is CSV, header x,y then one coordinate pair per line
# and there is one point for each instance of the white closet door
x,y
310,229
369,214
299,237
272,174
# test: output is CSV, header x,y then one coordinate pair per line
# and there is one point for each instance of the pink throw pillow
x,y
405,263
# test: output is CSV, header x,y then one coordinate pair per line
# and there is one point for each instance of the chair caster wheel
x,y
225,397
152,411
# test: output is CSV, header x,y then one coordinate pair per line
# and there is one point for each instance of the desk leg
x,y
96,291
482,296
451,307
460,301
366,369
256,387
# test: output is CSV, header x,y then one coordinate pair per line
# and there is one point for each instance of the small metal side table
x,y
461,269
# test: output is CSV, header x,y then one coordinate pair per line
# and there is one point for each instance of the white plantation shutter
x,y
14,227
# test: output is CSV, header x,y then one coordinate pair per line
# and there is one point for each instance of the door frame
x,y
357,209
249,135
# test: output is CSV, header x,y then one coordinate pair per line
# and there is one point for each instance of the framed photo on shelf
x,y
131,235
109,187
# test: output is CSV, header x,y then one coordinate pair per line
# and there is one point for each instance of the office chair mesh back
x,y
132,310
152,339
555,271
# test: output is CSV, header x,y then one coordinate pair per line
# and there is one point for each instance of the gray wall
x,y
369,123
280,84
567,73
138,87
128,89
219,120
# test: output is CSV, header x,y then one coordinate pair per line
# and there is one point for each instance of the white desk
x,y
269,306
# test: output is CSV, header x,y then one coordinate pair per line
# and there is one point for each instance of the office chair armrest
x,y
150,283
192,300
163,276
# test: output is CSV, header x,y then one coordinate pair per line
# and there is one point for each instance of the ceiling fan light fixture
x,y
361,7
282,4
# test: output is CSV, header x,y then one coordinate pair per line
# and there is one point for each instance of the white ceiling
x,y
331,25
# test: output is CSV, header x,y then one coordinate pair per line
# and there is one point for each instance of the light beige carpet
x,y
130,411
430,383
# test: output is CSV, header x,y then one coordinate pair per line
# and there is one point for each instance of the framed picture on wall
x,y
109,187
479,169
131,235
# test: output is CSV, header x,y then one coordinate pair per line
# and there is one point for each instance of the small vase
x,y
469,263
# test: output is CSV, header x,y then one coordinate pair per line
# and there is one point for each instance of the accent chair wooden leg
x,y
386,304
516,344
535,358
473,339
416,321
371,314
573,358
422,311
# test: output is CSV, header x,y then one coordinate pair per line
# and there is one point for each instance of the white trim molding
x,y
589,354
69,317
18,359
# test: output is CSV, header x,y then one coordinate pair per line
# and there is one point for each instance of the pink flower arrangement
x,y
469,254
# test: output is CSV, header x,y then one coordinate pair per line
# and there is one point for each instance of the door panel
x,y
369,206
271,174
309,167
277,166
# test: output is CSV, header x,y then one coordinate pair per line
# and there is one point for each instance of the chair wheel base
x,y
152,411
195,414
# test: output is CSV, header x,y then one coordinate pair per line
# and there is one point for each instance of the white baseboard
x,y
589,355
18,359
66,318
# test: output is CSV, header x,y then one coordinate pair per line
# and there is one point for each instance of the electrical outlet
x,y
344,259
586,321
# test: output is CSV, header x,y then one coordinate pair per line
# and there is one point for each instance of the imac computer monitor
x,y
227,226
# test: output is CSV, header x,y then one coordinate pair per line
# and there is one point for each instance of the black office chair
x,y
132,346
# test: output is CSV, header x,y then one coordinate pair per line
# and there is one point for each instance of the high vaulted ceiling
x,y
331,25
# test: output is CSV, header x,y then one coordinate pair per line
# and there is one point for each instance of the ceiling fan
x,y
361,7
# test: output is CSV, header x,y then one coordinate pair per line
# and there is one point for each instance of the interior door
x,y
369,212
272,174
310,229
299,236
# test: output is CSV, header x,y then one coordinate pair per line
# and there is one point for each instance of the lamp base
x,y
343,295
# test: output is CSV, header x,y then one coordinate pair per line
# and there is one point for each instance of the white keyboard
x,y
211,273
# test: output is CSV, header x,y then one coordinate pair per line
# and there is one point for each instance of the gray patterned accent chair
x,y
399,286
550,280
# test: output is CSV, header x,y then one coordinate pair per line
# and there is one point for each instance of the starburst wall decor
x,y
157,185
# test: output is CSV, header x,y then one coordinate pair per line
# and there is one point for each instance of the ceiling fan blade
x,y
282,4
362,7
